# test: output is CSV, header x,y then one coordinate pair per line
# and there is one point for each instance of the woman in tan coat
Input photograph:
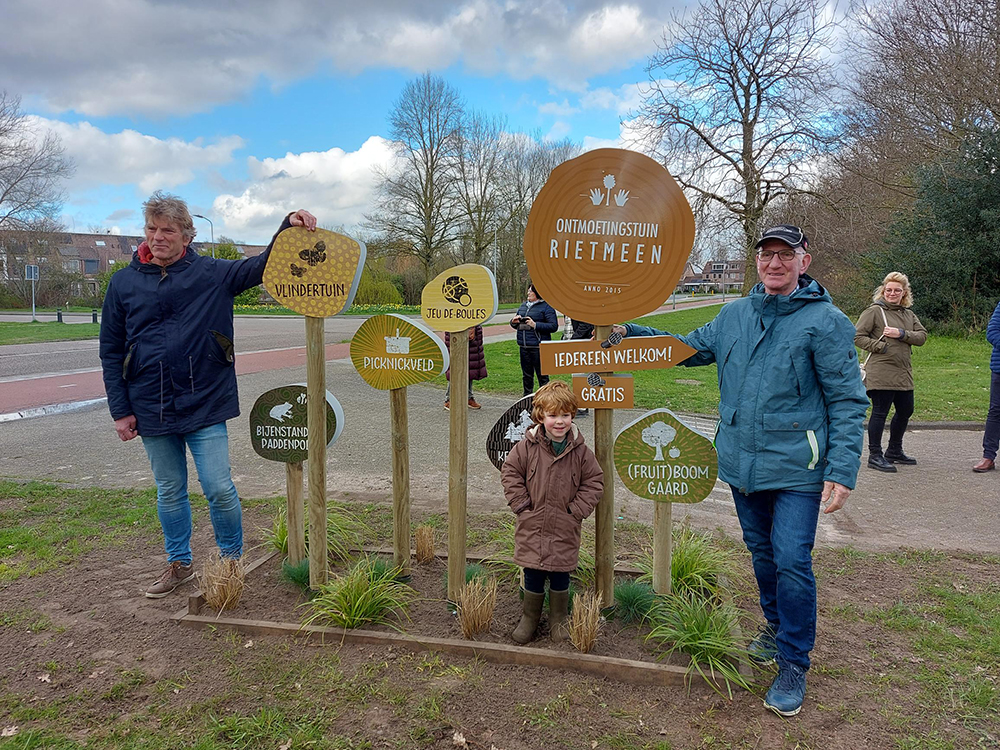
x,y
552,481
888,329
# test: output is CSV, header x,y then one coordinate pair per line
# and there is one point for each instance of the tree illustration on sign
x,y
658,435
609,182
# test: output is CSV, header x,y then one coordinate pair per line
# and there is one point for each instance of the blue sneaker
x,y
762,649
788,690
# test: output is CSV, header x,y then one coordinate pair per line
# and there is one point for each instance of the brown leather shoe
x,y
984,466
173,577
447,405
473,404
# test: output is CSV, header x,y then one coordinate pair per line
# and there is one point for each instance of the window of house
x,y
99,243
91,265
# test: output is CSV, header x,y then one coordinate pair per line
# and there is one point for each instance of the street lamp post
x,y
211,227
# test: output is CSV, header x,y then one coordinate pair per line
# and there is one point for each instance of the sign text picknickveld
x,y
636,353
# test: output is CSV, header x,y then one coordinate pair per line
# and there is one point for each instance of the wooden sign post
x,y
660,458
279,431
606,241
315,274
391,352
454,301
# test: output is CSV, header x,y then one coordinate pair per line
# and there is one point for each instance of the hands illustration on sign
x,y
596,196
621,197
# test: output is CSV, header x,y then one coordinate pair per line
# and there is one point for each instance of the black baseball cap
x,y
790,234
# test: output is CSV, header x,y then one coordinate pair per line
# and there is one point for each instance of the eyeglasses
x,y
764,256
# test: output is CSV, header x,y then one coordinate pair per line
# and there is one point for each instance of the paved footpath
x,y
940,503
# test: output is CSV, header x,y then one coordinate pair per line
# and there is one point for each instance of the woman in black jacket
x,y
535,322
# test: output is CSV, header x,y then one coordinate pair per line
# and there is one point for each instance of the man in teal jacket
x,y
792,409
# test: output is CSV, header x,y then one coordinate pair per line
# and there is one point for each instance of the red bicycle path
x,y
51,390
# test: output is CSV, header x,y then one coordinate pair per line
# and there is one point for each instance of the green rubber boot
x,y
558,615
532,613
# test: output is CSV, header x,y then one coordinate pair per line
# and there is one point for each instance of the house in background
x,y
716,276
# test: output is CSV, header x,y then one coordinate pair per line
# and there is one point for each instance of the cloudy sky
x,y
251,109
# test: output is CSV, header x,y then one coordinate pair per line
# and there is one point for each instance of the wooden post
x,y
458,462
316,421
400,482
295,520
604,517
662,541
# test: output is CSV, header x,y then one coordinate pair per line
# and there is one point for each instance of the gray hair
x,y
166,206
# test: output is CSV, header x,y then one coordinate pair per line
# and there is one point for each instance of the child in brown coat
x,y
552,481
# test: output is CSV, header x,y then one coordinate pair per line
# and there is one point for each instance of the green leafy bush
x,y
367,594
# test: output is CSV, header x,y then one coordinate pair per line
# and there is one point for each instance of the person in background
x,y
477,364
991,436
535,322
551,481
167,355
889,329
581,330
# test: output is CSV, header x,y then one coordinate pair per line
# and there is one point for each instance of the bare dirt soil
x,y
110,665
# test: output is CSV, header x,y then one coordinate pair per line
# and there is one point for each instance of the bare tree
x,y
32,166
480,168
418,211
739,103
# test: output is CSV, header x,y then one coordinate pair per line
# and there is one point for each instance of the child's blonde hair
x,y
555,397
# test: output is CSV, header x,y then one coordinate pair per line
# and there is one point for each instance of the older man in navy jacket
x,y
169,372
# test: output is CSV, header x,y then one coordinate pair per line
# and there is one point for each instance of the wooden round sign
x,y
390,351
279,429
608,236
314,273
461,297
509,429
658,457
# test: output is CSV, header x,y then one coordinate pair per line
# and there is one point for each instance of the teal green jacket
x,y
792,405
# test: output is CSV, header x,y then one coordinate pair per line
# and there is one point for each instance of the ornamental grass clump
x,y
475,602
696,565
705,632
368,594
343,532
222,581
297,574
425,544
634,600
585,621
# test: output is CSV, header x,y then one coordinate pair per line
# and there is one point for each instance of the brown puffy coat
x,y
551,496
889,367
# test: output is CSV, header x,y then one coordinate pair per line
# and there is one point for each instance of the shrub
x,y
222,582
635,600
585,622
696,565
476,602
425,543
367,594
297,574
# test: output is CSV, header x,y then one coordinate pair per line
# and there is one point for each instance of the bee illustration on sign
x,y
456,289
397,344
599,197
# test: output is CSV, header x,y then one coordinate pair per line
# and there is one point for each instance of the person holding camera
x,y
535,322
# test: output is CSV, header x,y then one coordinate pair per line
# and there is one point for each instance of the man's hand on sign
x,y
125,427
620,330
837,495
303,218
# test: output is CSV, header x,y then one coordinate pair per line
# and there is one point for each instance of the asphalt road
x,y
938,504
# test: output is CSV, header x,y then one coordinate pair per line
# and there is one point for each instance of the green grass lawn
x,y
951,375
33,333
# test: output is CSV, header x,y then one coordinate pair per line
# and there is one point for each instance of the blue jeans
x,y
209,448
779,529
991,437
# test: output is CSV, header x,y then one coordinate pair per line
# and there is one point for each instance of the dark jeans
x,y
779,529
534,580
881,401
991,438
531,364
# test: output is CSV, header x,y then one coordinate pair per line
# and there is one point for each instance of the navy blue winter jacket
x,y
546,323
167,341
993,336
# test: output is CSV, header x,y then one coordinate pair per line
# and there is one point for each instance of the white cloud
x,y
130,157
139,57
558,109
625,99
337,186
558,130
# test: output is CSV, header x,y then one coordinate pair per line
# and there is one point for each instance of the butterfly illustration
x,y
297,271
316,255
